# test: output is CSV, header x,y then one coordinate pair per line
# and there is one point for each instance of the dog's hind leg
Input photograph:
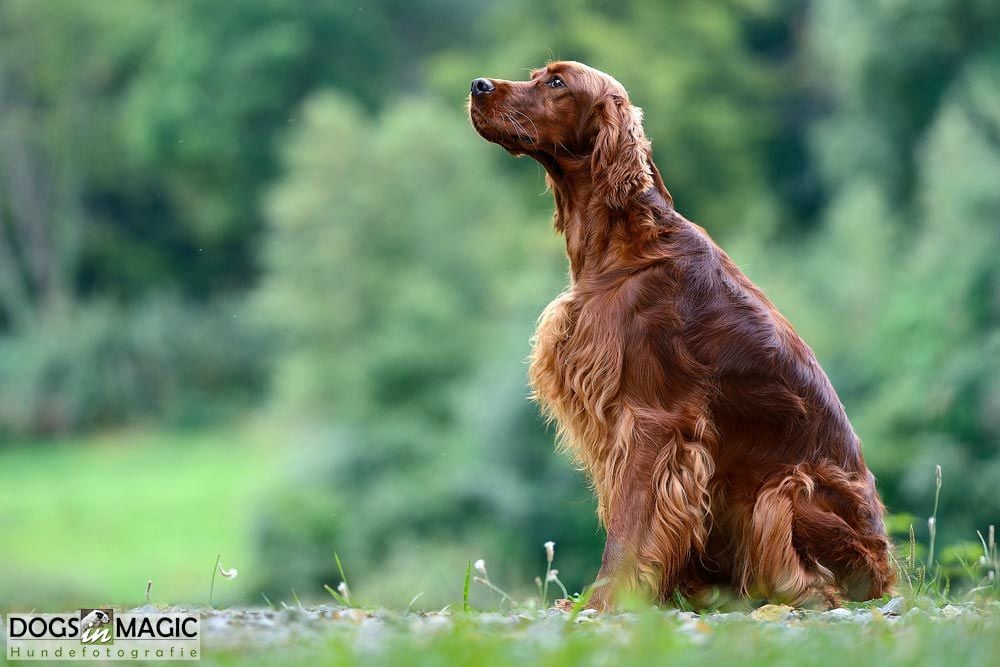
x,y
812,538
840,525
777,570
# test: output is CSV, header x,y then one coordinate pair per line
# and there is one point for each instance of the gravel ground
x,y
248,627
900,632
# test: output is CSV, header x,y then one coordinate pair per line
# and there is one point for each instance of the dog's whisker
x,y
529,119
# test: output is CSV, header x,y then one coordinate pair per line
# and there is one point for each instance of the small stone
x,y
350,614
725,616
773,612
949,611
894,607
436,622
838,614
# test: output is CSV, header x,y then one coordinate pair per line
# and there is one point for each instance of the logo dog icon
x,y
96,626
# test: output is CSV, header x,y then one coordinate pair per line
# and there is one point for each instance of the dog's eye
x,y
556,82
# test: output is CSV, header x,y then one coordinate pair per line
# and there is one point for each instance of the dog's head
x,y
568,114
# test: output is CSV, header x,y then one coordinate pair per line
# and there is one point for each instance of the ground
x,y
896,633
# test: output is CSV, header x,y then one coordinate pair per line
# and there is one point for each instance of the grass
x,y
93,520
650,639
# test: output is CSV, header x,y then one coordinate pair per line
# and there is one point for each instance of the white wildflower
x,y
231,573
553,575
344,590
480,566
550,550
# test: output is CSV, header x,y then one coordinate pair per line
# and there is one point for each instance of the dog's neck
x,y
598,237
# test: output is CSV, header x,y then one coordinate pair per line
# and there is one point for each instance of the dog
x,y
719,451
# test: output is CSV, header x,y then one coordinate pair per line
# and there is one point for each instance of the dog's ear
x,y
620,162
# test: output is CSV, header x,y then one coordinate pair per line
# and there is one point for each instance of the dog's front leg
x,y
655,508
626,518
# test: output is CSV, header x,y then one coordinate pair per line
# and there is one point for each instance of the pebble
x,y
774,612
894,607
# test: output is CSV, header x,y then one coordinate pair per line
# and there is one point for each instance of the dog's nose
x,y
482,87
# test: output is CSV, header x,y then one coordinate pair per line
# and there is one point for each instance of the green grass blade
x,y
468,585
416,597
337,596
581,603
340,568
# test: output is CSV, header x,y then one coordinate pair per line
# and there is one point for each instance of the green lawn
x,y
972,640
88,522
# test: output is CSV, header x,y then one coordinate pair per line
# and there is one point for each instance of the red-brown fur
x,y
718,449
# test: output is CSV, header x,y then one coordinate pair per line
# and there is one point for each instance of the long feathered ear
x,y
620,162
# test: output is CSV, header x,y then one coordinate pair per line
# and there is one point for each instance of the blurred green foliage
x,y
206,206
104,365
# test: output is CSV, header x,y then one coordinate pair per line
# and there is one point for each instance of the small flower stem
x,y
933,522
564,591
545,583
493,598
490,586
211,589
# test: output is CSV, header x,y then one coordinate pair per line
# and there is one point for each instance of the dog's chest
x,y
575,372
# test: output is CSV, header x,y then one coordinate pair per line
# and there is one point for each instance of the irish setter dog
x,y
720,453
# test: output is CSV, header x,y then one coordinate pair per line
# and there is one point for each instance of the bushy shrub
x,y
104,365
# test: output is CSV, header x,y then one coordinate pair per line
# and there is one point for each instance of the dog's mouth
x,y
505,134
